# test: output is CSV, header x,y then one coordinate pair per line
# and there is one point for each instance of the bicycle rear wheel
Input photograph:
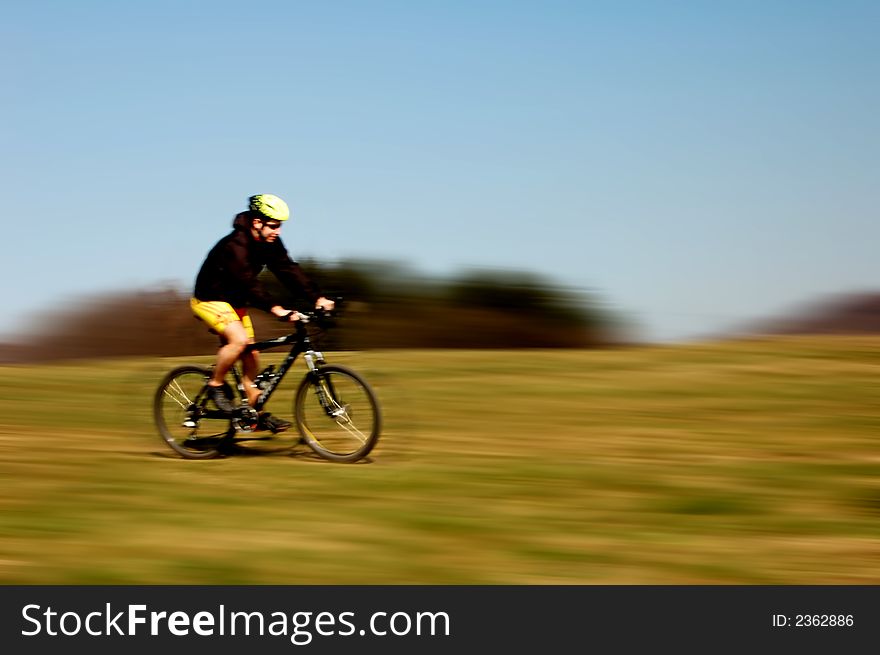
x,y
186,419
337,414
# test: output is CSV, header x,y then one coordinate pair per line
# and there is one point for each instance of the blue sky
x,y
693,164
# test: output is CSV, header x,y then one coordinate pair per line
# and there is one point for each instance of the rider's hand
x,y
282,313
325,304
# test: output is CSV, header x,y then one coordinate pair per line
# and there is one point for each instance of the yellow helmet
x,y
269,206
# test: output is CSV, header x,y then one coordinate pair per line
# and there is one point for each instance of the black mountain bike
x,y
335,411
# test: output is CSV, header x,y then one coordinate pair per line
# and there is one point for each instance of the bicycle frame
x,y
302,345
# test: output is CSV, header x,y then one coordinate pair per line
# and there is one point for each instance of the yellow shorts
x,y
219,315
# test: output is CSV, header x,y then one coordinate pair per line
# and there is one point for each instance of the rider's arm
x,y
291,275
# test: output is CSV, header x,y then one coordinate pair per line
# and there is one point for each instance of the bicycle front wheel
x,y
187,421
337,414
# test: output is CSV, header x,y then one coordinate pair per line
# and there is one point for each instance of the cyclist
x,y
227,285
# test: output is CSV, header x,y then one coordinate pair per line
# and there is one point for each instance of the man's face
x,y
268,230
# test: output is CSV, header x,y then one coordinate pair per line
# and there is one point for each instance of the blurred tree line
x,y
386,305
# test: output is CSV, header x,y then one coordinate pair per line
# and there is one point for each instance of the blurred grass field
x,y
750,462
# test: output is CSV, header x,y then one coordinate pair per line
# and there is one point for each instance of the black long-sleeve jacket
x,y
230,270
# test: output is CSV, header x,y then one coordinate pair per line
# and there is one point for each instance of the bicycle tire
x,y
180,398
343,425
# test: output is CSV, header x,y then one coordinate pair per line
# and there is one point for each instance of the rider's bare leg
x,y
236,340
250,362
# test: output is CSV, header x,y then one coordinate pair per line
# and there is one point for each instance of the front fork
x,y
314,359
322,385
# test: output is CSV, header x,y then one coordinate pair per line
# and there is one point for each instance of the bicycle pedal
x,y
244,426
190,424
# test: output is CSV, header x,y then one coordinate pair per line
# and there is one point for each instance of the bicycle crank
x,y
247,419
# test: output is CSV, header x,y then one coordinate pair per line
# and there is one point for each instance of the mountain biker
x,y
227,285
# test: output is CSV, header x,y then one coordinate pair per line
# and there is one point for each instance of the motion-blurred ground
x,y
754,462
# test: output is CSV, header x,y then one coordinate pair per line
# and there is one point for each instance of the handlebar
x,y
317,314
304,317
285,318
